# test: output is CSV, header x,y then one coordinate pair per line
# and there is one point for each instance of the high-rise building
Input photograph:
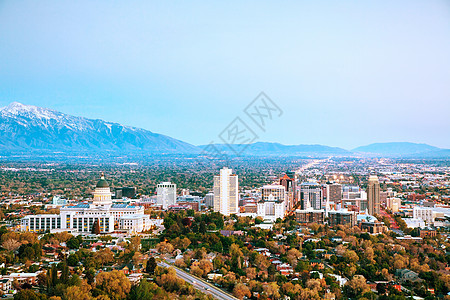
x,y
166,194
311,192
226,192
125,192
373,195
289,183
209,200
354,198
334,192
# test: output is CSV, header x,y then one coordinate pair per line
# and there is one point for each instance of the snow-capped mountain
x,y
27,127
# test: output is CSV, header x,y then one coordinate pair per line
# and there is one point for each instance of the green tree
x,y
29,295
146,291
96,227
151,265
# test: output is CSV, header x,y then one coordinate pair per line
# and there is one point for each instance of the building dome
x,y
102,193
373,178
102,183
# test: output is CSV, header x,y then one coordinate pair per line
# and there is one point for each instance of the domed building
x,y
80,218
102,193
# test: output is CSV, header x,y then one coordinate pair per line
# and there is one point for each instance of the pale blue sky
x,y
345,73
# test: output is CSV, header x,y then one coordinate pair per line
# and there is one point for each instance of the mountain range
x,y
29,129
26,127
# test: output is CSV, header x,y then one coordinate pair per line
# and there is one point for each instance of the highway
x,y
200,284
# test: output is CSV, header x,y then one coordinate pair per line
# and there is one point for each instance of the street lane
x,y
200,284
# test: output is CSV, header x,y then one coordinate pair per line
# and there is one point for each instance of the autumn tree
x,y
356,286
271,290
29,295
170,281
197,271
135,244
262,262
115,284
104,256
206,266
11,245
76,293
241,290
293,255
250,273
351,256
146,291
164,248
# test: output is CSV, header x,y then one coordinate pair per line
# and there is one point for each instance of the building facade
x,y
274,191
226,192
209,200
271,209
289,182
313,193
334,192
342,217
308,216
373,195
424,213
82,217
166,194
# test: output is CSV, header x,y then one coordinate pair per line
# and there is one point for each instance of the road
x,y
200,284
393,224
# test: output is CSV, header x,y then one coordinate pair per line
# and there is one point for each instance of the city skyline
x,y
344,74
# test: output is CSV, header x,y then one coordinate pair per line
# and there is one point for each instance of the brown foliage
x,y
114,283
241,290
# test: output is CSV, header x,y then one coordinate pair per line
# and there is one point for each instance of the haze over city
x,y
235,150
345,74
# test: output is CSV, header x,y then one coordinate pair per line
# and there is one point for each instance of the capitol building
x,y
81,218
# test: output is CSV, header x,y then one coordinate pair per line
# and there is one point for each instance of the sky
x,y
343,73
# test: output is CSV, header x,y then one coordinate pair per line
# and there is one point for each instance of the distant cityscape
x,y
228,150
403,202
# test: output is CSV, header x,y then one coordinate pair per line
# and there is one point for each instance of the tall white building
x,y
82,217
166,194
226,192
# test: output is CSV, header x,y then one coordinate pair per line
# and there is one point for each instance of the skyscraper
x,y
373,195
166,194
334,192
226,192
289,183
312,193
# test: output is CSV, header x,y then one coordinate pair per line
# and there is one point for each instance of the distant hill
x,y
396,149
273,149
32,131
25,128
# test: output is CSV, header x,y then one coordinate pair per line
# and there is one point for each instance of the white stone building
x,y
271,209
166,194
226,192
82,217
